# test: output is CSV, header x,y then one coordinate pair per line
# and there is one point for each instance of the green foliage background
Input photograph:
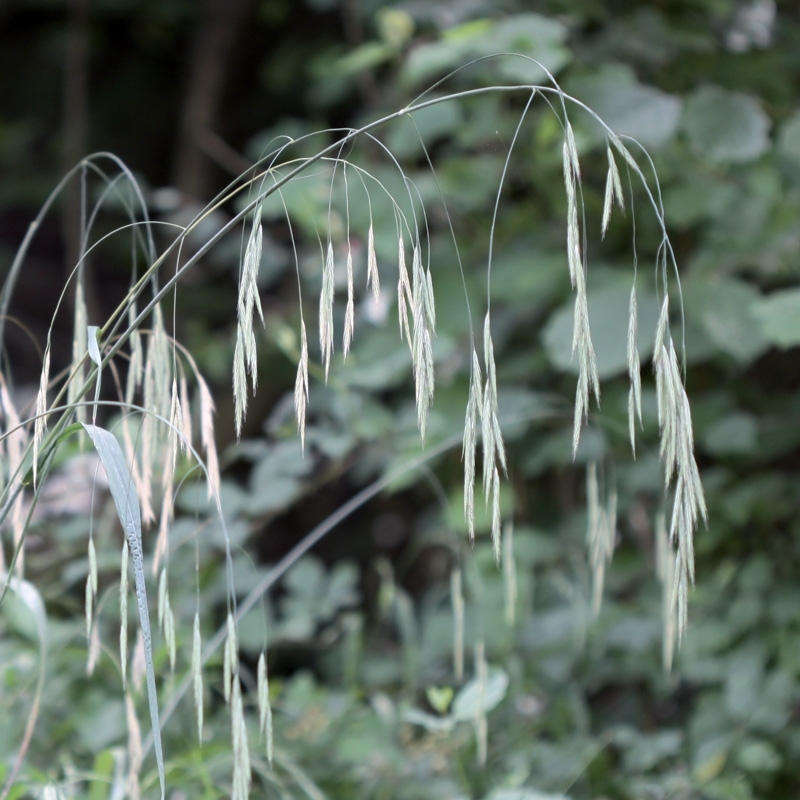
x,y
360,632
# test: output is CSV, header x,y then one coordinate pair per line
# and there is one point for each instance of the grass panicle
x,y
157,379
245,359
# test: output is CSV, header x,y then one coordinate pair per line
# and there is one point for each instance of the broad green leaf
x,y
733,434
756,755
744,681
728,789
473,698
427,721
430,124
724,308
779,317
628,107
726,127
531,35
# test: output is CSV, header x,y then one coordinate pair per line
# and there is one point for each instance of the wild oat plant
x,y
165,411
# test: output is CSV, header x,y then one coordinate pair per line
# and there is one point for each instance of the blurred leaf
x,y
725,126
744,681
439,697
474,698
755,755
725,308
531,35
779,317
429,124
733,434
628,107
728,789
789,138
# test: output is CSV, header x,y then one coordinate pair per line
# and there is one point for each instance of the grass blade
x,y
120,483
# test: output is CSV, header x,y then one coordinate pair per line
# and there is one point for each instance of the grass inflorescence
x,y
166,405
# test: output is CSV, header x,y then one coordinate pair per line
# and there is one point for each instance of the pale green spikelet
x,y
665,570
481,723
373,278
424,319
510,588
457,605
241,749
88,601
94,650
613,191
197,675
265,708
634,373
474,414
93,565
169,635
601,534
677,455
496,516
349,311
162,597
79,347
301,386
573,232
41,419
245,357
230,660
326,299
135,755
239,383
404,295
207,436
